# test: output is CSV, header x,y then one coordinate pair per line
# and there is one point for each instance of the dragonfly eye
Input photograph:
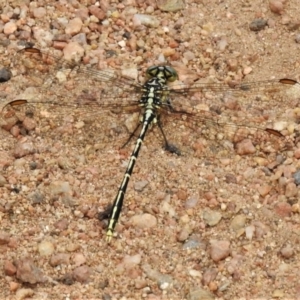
x,y
168,72
171,73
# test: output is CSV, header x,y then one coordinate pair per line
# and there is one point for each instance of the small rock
x,y
62,224
13,286
144,221
79,259
297,177
209,275
9,28
74,26
182,194
29,123
264,190
45,248
23,148
60,259
276,6
211,217
36,197
170,5
250,230
5,74
24,293
147,20
184,234
39,12
245,147
82,274
28,272
163,281
199,294
287,251
297,40
238,222
4,238
140,185
191,202
97,12
283,209
219,250
131,261
278,293
2,181
9,268
193,242
258,24
291,190
73,51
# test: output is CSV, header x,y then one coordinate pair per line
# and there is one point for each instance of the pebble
x,y
211,217
24,147
291,190
147,20
184,234
13,286
60,259
247,70
28,272
170,5
258,24
9,28
191,202
250,230
199,294
219,250
24,293
163,281
97,12
276,6
60,187
5,74
209,275
287,251
79,259
131,261
245,147
238,222
264,190
39,12
278,293
61,224
283,209
4,238
73,50
194,242
82,274
3,181
143,221
297,38
140,185
9,268
36,197
296,177
45,248
74,26
195,273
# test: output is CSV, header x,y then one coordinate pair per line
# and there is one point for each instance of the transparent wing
x,y
72,95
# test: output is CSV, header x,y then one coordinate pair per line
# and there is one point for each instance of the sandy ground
x,y
194,226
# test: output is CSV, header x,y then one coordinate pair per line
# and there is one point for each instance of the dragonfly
x,y
225,115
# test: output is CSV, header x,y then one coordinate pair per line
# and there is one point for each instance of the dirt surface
x,y
194,226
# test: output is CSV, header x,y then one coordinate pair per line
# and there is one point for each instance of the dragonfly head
x,y
166,72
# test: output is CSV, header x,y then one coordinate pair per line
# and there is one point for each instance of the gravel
x,y
193,226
